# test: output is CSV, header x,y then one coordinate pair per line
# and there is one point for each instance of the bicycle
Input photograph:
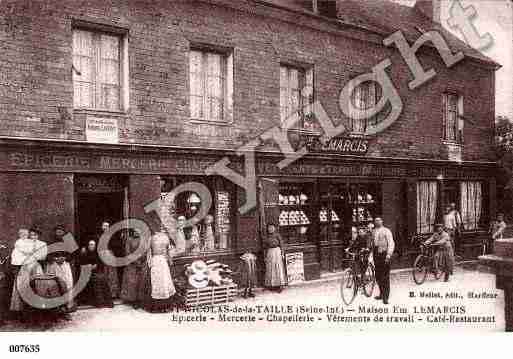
x,y
425,263
352,279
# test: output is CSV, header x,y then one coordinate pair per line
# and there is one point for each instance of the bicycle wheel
x,y
369,281
348,287
420,269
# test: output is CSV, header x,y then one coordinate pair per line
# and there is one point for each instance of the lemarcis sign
x,y
342,145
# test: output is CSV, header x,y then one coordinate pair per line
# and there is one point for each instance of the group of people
x,y
146,280
379,241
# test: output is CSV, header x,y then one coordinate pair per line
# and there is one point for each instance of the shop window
x,y
453,123
296,92
211,85
471,202
214,232
296,202
99,70
352,205
427,197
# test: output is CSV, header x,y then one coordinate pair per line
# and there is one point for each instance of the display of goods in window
x,y
323,216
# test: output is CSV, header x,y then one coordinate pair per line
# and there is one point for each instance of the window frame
x,y
306,79
227,68
97,30
373,120
458,122
215,184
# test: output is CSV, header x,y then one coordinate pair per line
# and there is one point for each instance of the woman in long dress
x,y
28,251
59,265
274,267
97,291
160,286
133,274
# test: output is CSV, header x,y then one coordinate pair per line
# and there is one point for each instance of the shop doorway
x,y
99,199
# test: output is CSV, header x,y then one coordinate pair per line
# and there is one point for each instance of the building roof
x,y
387,17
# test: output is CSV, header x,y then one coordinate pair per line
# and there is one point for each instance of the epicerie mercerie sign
x,y
102,130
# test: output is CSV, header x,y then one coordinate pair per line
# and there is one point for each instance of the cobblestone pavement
x,y
310,306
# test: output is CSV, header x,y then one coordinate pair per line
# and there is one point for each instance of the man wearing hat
x,y
444,255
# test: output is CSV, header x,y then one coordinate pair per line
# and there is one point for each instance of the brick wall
x,y
36,89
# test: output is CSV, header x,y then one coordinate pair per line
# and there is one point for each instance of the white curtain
x,y
357,99
471,204
427,196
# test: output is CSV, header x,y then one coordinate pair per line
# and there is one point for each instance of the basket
x,y
210,295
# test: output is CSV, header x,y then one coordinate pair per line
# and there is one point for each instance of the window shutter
x,y
214,88
308,89
357,102
444,116
196,84
229,88
371,103
283,94
109,79
294,96
83,62
461,122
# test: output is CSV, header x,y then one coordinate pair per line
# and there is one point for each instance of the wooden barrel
x,y
47,286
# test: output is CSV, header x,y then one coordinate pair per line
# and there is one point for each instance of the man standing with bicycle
x,y
383,248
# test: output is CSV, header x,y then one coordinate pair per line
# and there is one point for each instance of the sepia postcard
x,y
249,165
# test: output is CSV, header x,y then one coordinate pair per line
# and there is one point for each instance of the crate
x,y
211,295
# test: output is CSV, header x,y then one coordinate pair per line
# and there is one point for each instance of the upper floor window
x,y
365,97
211,85
453,112
296,92
99,70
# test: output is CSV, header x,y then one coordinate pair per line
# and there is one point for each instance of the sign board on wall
x,y
102,130
453,152
342,145
295,267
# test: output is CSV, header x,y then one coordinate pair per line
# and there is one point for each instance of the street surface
x,y
318,305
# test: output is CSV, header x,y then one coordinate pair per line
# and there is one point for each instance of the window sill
x,y
88,111
198,121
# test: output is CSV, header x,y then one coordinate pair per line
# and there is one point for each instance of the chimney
x,y
430,8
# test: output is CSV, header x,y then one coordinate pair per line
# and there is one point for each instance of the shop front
x,y
82,185
320,198
315,201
